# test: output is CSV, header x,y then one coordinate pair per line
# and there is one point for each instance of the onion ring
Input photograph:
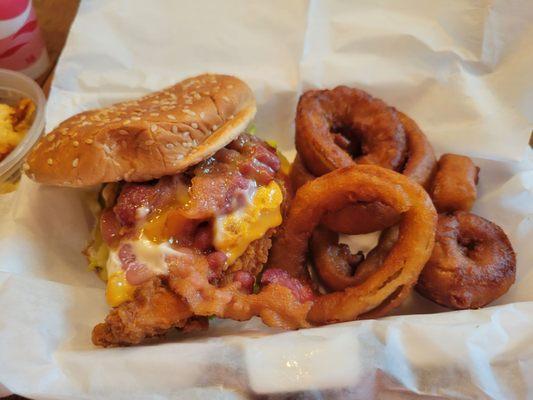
x,y
337,268
472,264
332,263
360,116
421,162
454,186
362,218
354,219
334,191
299,174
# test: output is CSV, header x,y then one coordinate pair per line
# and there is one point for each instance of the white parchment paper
x,y
462,69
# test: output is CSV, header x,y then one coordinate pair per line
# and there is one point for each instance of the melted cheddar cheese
x,y
118,290
235,231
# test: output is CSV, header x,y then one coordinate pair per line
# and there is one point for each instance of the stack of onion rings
x,y
400,267
334,129
400,138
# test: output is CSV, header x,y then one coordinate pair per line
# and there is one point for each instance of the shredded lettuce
x,y
252,128
97,251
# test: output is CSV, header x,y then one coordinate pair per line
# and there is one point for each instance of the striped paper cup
x,y
21,44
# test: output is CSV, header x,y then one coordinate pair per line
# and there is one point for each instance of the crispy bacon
x,y
246,279
132,197
136,272
216,261
110,226
259,161
215,194
203,240
281,277
136,195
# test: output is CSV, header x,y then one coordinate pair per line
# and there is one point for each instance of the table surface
x,y
55,18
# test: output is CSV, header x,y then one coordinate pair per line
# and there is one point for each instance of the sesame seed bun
x,y
160,134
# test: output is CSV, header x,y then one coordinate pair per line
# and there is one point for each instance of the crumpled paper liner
x,y
461,69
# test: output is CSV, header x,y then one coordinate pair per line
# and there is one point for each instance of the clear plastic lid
x,y
13,87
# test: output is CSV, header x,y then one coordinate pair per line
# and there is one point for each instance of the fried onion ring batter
x,y
421,163
473,262
364,218
337,267
325,117
400,267
332,263
454,186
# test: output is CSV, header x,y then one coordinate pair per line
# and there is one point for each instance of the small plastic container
x,y
13,87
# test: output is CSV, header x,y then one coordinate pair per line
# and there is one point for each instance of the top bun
x,y
160,134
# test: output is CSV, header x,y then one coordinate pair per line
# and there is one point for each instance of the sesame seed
x,y
197,96
50,137
25,166
174,129
154,114
82,117
153,127
64,132
194,125
85,123
49,161
187,135
231,116
75,143
179,156
189,112
127,122
215,127
135,118
88,141
169,145
230,86
123,132
202,114
75,162
225,98
171,117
